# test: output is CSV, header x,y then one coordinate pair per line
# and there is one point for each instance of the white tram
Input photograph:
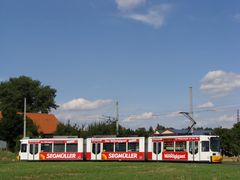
x,y
204,148
121,148
51,149
198,148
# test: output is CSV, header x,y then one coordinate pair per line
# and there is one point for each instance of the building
x,y
45,123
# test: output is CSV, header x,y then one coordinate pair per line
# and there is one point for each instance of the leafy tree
x,y
236,139
141,132
225,140
123,132
150,131
40,98
67,129
12,128
229,139
101,128
160,128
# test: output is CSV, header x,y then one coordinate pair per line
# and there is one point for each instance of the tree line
x,y
41,98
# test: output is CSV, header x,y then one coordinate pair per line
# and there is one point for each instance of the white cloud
x,y
77,117
84,104
154,15
174,114
219,83
129,4
208,104
226,118
223,120
144,116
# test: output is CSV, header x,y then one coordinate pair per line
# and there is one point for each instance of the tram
x,y
51,149
124,148
192,148
202,148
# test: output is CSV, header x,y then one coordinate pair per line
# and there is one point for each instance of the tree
x,y
225,140
160,128
141,132
101,128
40,98
236,139
67,129
12,128
150,131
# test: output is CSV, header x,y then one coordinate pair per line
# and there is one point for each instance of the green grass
x,y
117,170
7,156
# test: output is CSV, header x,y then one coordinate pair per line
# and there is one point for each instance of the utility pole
x,y
24,118
191,118
238,116
117,119
190,106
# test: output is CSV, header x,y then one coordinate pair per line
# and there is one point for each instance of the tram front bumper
x,y
217,159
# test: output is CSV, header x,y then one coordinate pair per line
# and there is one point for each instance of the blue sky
x,y
143,53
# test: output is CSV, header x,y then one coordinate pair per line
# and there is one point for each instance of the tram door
x,y
205,155
96,150
156,151
193,154
33,152
23,151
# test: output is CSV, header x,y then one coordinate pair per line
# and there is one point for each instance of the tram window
x,y
46,147
133,147
59,147
23,147
35,150
205,146
108,147
215,144
195,144
155,146
180,146
72,147
120,147
168,146
94,149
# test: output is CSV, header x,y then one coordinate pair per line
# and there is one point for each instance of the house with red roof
x,y
45,123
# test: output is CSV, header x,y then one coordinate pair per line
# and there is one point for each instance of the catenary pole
x,y
24,118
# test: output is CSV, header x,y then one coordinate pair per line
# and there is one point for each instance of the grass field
x,y
10,169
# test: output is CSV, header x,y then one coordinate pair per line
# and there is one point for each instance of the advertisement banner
x,y
176,139
114,140
175,156
123,156
60,156
53,141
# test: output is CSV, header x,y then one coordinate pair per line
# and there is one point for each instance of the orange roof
x,y
46,123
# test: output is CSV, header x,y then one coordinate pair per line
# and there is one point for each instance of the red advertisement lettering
x,y
122,156
175,156
113,140
60,156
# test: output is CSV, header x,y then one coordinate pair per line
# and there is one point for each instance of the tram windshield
x,y
215,144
